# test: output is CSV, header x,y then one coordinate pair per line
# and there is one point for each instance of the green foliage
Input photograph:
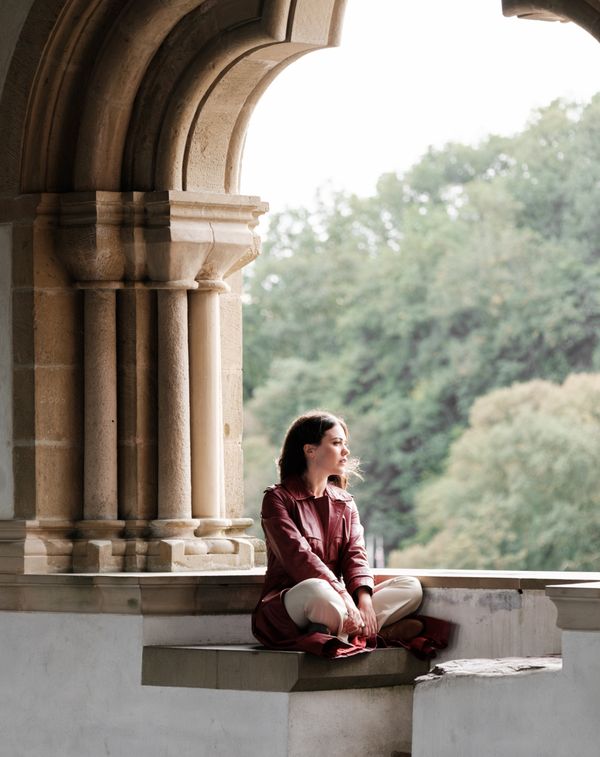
x,y
478,268
522,485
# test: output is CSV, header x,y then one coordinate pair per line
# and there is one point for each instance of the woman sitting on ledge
x,y
319,594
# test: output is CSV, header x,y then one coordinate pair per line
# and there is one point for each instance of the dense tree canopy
x,y
522,485
478,268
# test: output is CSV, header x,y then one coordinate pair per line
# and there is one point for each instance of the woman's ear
x,y
309,449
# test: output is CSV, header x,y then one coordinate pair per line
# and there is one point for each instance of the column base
x,y
212,544
99,547
35,546
198,554
116,546
174,528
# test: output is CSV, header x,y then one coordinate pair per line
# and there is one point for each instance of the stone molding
x,y
171,238
578,605
222,591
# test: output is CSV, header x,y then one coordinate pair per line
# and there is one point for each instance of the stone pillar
x,y
90,245
100,405
106,252
174,462
208,481
173,530
98,548
138,422
204,238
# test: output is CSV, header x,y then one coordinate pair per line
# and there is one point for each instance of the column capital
x,y
90,233
170,237
198,235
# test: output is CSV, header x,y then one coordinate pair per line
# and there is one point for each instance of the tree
x,y
478,268
521,489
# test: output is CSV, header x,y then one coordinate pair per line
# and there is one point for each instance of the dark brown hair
x,y
309,428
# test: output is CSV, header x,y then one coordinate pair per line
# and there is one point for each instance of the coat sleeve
x,y
355,563
289,545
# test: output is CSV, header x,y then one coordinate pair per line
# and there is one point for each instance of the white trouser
x,y
315,601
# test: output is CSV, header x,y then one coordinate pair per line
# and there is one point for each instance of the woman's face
x,y
330,457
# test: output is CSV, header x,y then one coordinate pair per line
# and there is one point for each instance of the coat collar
x,y
297,488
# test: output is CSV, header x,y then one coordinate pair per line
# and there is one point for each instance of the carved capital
x,y
90,235
191,235
167,237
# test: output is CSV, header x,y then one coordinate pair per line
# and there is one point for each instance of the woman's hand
x,y
353,625
369,618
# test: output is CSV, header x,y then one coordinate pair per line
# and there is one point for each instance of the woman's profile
x,y
319,594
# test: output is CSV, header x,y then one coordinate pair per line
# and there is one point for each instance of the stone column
x,y
208,481
174,461
100,405
100,525
195,240
173,532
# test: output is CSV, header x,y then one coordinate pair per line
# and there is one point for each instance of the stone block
x,y
59,404
233,411
98,556
234,479
23,333
24,468
47,404
58,319
231,330
254,668
59,481
22,255
188,671
35,263
24,403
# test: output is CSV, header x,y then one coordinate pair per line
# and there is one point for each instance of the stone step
x,y
254,668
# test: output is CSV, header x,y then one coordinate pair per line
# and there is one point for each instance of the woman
x,y
319,595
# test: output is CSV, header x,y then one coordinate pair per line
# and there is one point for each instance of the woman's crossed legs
x,y
315,601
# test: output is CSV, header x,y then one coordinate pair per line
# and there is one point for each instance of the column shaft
x,y
100,371
208,483
174,474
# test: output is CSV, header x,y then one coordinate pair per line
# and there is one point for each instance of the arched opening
x,y
295,380
124,127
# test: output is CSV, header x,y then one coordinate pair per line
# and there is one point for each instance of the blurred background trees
x,y
477,270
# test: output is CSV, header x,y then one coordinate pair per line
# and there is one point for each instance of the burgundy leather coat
x,y
308,537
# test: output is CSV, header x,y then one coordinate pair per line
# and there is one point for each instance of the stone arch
x,y
123,125
584,13
146,95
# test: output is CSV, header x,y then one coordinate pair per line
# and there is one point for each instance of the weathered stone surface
x,y
253,668
505,666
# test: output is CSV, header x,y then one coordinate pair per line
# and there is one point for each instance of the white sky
x,y
407,75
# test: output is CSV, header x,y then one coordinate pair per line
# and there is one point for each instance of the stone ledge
x,y
221,592
441,578
253,668
493,668
578,606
